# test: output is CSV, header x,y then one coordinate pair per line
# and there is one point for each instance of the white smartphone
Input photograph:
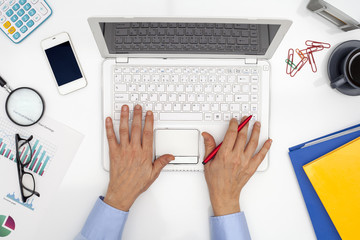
x,y
64,63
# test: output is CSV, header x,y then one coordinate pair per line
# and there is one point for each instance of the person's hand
x,y
232,167
131,168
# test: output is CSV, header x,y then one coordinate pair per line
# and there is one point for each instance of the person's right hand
x,y
131,168
232,167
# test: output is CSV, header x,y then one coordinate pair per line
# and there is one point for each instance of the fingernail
x,y
108,120
270,140
258,123
149,113
204,136
137,107
124,108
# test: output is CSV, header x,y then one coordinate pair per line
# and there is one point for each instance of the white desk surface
x,y
177,206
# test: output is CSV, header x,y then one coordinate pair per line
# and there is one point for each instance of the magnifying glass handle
x,y
3,84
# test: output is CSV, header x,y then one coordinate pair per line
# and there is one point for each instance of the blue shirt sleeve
x,y
229,227
104,222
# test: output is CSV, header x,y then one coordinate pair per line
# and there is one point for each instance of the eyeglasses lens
x,y
28,183
24,152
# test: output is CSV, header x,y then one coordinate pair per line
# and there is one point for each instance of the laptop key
x,y
243,41
253,26
241,26
181,116
123,25
227,32
253,33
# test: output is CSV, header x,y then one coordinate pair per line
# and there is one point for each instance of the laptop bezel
x,y
94,23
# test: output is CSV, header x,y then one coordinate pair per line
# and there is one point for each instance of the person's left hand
x,y
131,168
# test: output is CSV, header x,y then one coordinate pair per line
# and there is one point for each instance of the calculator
x,y
19,18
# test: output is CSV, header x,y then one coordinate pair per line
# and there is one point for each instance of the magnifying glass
x,y
24,106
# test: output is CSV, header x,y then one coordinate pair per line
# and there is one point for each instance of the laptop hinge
x,y
122,60
251,61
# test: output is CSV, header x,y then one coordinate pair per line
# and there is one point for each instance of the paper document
x,y
53,147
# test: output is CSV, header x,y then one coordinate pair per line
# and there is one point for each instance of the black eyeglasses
x,y
26,179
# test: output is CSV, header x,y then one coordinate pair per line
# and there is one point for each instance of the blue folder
x,y
307,152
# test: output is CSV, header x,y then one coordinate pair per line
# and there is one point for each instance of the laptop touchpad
x,y
182,143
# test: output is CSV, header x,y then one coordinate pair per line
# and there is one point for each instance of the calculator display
x,y
63,63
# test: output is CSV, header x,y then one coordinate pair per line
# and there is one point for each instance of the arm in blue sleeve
x,y
104,222
229,227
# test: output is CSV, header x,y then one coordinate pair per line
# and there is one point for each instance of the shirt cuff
x,y
229,227
104,222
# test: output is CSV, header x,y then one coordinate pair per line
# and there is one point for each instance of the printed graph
x,y
7,225
41,152
28,204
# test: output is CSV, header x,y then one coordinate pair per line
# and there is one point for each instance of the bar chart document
x,y
53,147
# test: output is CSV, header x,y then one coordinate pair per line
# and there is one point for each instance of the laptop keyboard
x,y
193,93
248,39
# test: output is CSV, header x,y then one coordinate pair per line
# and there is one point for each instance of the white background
x,y
177,206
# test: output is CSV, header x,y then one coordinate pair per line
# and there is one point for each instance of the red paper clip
x,y
299,66
301,55
312,49
289,61
317,44
311,60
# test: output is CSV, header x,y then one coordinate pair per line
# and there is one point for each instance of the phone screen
x,y
63,63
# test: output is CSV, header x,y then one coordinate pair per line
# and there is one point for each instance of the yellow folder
x,y
336,179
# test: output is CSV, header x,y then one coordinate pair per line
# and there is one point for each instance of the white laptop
x,y
195,74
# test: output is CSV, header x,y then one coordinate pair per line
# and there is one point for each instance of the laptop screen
x,y
188,38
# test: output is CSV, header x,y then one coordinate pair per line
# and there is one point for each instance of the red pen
x,y
213,153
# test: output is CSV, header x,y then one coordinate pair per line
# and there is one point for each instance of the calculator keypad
x,y
18,18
